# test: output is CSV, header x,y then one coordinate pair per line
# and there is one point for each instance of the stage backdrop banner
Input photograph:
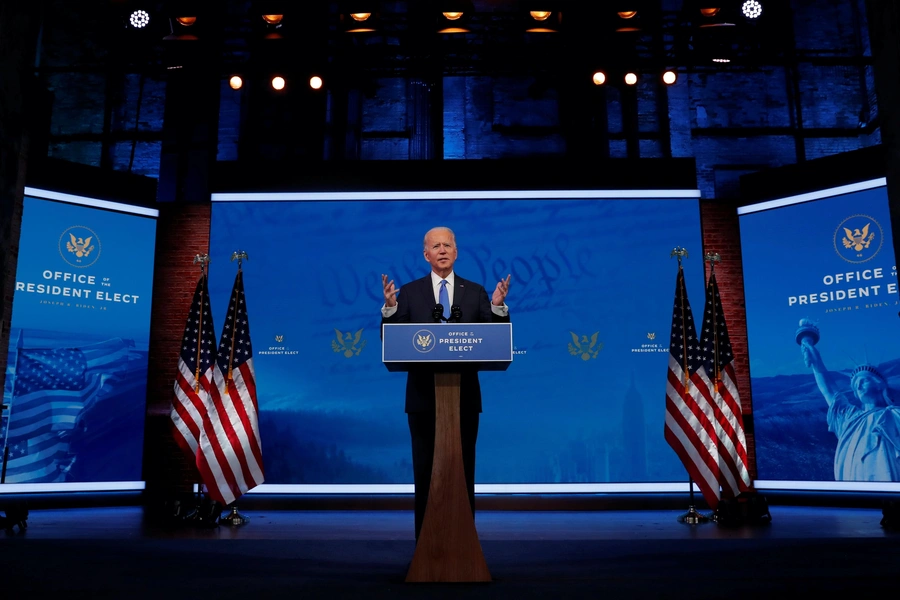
x,y
590,301
821,290
77,370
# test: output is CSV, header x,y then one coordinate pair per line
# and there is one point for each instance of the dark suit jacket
x,y
414,305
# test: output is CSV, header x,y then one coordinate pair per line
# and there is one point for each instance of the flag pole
x,y
195,514
692,516
234,518
712,258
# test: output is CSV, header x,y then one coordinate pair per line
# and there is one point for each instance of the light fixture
x,y
454,15
709,12
599,78
236,82
722,60
669,77
278,83
752,9
274,20
315,82
542,21
359,16
186,21
629,20
630,78
139,19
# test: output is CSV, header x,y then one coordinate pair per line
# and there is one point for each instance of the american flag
x,y
230,456
198,352
51,389
689,427
734,474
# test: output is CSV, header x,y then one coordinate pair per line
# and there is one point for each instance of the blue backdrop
x,y
565,411
829,261
77,369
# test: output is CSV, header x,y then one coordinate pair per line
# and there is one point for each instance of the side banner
x,y
77,370
821,292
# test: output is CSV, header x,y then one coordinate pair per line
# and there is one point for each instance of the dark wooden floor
x,y
115,552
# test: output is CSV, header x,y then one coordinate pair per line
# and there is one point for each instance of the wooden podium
x,y
448,549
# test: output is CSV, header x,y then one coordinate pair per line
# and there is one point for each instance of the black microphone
x,y
455,314
437,313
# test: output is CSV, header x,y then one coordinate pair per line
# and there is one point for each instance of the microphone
x,y
437,313
455,314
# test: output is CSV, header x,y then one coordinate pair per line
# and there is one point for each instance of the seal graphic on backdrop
x,y
79,246
858,238
584,347
423,341
350,344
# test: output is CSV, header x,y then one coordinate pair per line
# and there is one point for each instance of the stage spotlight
x,y
669,77
315,82
236,82
139,19
752,9
599,78
631,78
186,21
278,83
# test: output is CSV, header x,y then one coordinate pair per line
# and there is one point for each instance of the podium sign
x,y
448,549
489,344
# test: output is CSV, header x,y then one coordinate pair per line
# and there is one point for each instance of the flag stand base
x,y
234,518
692,517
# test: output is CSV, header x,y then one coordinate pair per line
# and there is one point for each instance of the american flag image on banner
x,y
229,455
689,426
198,353
51,390
734,473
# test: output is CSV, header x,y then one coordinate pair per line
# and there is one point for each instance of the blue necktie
x,y
444,298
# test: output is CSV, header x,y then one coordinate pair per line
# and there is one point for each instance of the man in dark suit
x,y
414,302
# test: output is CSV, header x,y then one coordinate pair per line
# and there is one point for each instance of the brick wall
x,y
721,234
182,233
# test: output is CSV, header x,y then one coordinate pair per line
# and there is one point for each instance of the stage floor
x,y
114,553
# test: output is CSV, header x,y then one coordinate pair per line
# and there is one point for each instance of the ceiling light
x,y
751,9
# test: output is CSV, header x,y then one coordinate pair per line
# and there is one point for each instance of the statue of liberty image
x,y
864,417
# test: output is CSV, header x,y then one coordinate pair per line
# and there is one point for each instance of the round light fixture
x,y
315,82
709,12
452,16
669,77
599,78
273,19
627,14
236,82
360,16
540,15
186,21
278,82
630,78
139,19
751,9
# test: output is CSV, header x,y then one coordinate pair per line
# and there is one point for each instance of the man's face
x,y
440,251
